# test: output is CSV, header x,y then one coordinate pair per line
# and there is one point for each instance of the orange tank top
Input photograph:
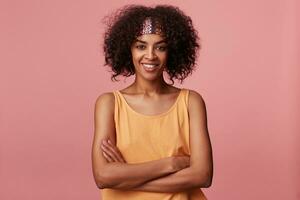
x,y
143,138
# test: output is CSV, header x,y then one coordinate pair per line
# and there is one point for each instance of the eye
x,y
161,48
141,46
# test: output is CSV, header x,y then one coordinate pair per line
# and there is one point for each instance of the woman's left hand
x,y
111,152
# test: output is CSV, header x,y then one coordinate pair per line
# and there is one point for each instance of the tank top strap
x,y
118,105
185,96
115,94
118,98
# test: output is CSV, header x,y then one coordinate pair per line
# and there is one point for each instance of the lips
x,y
150,67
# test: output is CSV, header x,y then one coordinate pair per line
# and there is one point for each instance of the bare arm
x,y
200,172
118,174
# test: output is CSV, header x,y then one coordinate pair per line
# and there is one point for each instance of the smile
x,y
149,67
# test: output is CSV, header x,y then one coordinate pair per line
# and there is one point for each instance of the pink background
x,y
52,72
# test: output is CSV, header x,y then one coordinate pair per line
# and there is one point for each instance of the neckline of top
x,y
156,115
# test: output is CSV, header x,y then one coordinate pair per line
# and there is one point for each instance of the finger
x,y
121,156
107,157
114,150
109,153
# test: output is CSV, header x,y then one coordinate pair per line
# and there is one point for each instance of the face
x,y
149,56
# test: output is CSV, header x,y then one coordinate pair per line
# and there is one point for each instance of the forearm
x,y
183,180
127,176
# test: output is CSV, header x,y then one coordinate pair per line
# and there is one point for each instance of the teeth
x,y
149,65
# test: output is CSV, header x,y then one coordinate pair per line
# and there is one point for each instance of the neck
x,y
149,87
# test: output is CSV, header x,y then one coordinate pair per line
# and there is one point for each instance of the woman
x,y
151,140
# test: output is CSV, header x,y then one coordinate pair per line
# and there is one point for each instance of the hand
x,y
180,162
111,152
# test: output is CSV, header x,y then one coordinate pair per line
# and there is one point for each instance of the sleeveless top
x,y
142,138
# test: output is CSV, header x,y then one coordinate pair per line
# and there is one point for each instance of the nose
x,y
150,54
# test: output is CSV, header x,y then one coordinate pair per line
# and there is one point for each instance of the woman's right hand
x,y
111,152
180,162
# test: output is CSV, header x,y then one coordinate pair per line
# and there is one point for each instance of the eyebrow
x,y
159,42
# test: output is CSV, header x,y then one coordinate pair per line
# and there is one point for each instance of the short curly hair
x,y
124,26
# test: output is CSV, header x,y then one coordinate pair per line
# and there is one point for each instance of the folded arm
x,y
118,174
127,176
183,180
199,173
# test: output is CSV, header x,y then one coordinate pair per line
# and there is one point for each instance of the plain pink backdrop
x,y
52,72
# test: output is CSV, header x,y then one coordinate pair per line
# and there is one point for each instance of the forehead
x,y
151,38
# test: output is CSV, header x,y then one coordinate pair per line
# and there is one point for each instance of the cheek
x,y
164,57
135,56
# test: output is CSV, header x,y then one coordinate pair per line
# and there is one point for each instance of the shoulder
x,y
105,100
195,100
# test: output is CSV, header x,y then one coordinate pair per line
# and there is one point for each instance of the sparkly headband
x,y
151,27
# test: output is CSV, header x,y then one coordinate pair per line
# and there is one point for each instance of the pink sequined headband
x,y
151,27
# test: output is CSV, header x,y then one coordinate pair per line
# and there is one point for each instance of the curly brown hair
x,y
124,25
